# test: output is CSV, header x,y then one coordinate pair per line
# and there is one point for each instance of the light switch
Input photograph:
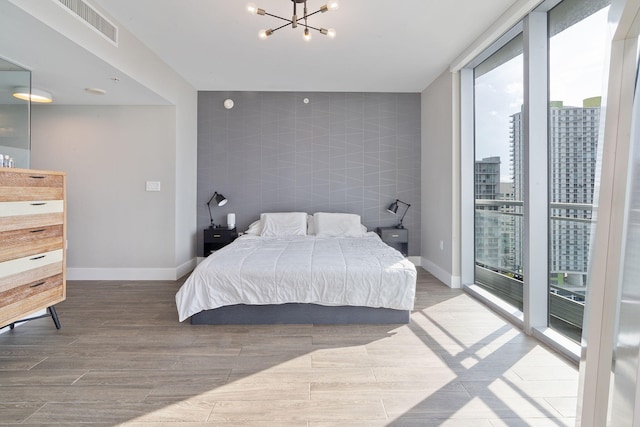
x,y
153,186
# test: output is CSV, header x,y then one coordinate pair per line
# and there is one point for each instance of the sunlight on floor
x,y
117,363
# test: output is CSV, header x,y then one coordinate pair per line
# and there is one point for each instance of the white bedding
x,y
355,271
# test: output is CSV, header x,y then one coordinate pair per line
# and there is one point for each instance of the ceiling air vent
x,y
89,15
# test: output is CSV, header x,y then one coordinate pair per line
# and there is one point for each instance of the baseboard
x,y
441,274
415,260
186,268
131,273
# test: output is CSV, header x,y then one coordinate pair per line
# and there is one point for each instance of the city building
x,y
572,155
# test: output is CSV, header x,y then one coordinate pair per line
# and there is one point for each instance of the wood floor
x,y
122,358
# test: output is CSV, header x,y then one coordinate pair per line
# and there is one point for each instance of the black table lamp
x,y
393,208
220,201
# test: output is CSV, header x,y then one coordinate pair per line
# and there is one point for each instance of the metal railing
x,y
504,281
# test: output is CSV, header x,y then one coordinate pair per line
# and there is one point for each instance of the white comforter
x,y
356,271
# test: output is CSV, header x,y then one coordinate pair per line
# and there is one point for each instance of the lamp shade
x,y
393,208
220,199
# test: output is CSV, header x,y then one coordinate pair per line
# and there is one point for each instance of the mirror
x,y
15,137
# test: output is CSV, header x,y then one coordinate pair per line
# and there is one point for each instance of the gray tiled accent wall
x,y
340,152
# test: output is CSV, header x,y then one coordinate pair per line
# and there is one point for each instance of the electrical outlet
x,y
441,245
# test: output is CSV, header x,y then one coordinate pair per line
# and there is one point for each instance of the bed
x,y
294,268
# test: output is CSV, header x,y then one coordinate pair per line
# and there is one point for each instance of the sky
x,y
576,62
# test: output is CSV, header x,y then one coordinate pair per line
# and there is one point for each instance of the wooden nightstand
x,y
397,238
217,238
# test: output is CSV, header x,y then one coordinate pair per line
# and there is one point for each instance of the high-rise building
x,y
487,222
572,156
487,178
494,222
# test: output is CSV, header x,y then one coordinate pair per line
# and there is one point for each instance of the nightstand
x,y
217,238
397,238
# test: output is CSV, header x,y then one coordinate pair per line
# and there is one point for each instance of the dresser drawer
x,y
30,289
20,243
31,179
30,186
32,207
20,265
23,300
30,276
14,194
20,215
30,221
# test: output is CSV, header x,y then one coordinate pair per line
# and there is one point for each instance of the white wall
x,y
137,62
115,227
439,183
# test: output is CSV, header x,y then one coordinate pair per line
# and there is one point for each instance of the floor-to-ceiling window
x,y
498,220
577,47
524,142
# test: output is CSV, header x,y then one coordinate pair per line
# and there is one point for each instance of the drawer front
x,y
30,276
397,235
20,243
31,185
30,179
19,265
28,290
14,194
33,207
219,236
29,298
10,223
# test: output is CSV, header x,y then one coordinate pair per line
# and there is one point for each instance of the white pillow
x,y
255,228
337,225
284,224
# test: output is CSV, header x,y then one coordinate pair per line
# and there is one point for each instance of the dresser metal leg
x,y
54,316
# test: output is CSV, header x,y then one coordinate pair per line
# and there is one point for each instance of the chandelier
x,y
294,21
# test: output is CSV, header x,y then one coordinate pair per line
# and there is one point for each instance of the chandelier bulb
x,y
307,35
255,10
263,34
333,4
331,33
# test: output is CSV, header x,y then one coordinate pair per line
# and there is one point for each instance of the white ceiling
x,y
381,46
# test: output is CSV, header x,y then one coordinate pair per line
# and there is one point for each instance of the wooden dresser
x,y
32,243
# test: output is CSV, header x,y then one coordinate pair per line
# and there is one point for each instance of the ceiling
x,y
381,46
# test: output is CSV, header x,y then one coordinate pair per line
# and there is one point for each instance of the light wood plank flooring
x,y
122,358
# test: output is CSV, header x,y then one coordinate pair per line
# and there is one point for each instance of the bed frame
x,y
294,313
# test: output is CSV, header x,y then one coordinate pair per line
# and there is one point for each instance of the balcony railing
x,y
499,239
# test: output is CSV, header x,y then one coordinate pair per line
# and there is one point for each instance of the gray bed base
x,y
294,313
